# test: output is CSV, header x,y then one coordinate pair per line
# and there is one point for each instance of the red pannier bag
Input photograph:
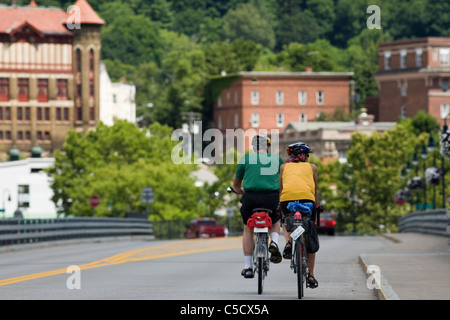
x,y
259,220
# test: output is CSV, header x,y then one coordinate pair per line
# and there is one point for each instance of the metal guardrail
x,y
436,222
17,231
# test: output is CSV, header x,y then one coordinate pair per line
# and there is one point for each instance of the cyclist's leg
x,y
247,238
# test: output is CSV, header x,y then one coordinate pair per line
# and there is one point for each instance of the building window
x,y
403,59
27,135
66,114
236,120
39,135
61,85
8,135
419,57
39,114
78,59
27,113
235,98
19,113
91,60
58,116
280,120
444,56
19,135
387,60
92,114
4,89
403,112
24,196
23,90
79,114
403,89
1,113
42,90
219,121
302,97
320,97
279,97
8,113
303,117
219,100
255,97
254,120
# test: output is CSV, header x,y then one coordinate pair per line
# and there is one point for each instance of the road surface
x,y
203,269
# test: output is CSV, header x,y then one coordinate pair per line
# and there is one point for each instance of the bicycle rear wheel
x,y
299,268
260,271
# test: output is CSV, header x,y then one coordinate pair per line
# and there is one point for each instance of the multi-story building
x,y
271,100
413,75
49,74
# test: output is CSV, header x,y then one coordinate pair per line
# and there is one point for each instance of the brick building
x,y
49,74
271,100
413,75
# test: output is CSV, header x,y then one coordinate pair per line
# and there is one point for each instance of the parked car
x,y
327,223
204,228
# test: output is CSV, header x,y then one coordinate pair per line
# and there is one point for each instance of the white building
x,y
116,99
26,187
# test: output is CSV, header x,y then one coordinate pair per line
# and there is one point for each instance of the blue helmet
x,y
298,148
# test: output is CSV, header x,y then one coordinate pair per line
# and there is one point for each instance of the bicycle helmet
x,y
298,152
260,142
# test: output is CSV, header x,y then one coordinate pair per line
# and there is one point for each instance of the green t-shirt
x,y
260,171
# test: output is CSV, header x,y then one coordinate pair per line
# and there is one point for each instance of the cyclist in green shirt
x,y
260,173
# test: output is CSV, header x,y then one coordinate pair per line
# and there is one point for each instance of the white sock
x,y
248,261
274,236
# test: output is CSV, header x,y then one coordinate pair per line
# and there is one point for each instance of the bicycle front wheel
x,y
260,270
299,268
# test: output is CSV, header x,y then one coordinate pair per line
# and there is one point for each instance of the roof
x,y
294,74
298,126
87,14
45,20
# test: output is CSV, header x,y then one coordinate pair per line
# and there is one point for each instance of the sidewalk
x,y
413,267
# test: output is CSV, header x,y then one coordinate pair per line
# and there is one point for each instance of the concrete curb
x,y
382,287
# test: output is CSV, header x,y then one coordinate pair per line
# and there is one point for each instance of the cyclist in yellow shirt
x,y
298,182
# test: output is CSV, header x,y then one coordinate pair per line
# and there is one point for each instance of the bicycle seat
x,y
268,211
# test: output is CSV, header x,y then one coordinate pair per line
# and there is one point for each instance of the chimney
x,y
364,118
309,69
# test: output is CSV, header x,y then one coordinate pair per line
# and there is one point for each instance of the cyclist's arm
x,y
237,183
281,177
316,189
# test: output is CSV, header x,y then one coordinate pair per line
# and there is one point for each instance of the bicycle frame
x,y
299,260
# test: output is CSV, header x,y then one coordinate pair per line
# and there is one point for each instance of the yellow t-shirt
x,y
298,182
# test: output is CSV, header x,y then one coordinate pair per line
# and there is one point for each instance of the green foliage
x,y
115,163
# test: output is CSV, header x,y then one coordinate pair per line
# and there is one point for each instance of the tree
x,y
245,22
132,39
116,163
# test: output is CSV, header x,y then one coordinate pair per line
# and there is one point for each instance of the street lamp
x,y
444,115
424,156
431,147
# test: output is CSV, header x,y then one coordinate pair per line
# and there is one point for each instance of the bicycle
x,y
261,223
301,225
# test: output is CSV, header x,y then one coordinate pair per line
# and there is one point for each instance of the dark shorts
x,y
260,199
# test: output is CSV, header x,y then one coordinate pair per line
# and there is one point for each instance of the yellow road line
x,y
155,252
